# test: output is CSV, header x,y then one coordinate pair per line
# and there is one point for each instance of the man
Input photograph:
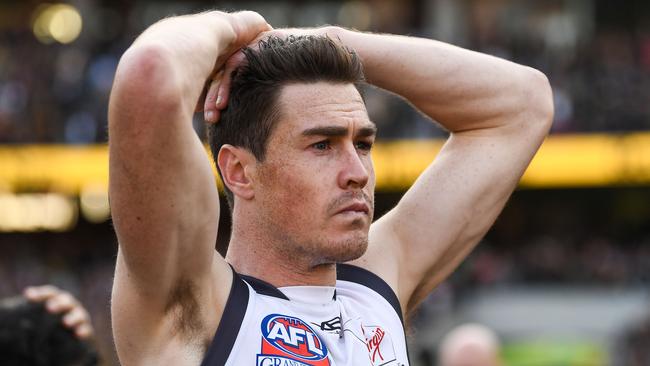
x,y
470,345
46,326
301,182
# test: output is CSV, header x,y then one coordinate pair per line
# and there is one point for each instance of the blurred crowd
x,y
598,64
83,263
558,241
598,237
595,54
597,261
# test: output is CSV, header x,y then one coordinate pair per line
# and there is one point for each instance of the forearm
x,y
461,89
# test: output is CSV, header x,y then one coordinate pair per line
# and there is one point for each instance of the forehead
x,y
316,104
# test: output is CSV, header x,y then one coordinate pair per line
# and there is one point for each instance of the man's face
x,y
316,185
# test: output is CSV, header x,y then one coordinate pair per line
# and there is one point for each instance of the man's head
x,y
470,345
31,336
292,147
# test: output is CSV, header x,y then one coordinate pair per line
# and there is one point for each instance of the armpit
x,y
184,309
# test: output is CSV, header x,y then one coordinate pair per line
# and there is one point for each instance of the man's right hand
x,y
217,93
247,26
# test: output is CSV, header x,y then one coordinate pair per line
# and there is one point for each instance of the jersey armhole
x,y
348,272
231,321
361,276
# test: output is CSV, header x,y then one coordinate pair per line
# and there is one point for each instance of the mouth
x,y
356,207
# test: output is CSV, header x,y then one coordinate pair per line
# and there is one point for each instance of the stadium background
x,y
563,276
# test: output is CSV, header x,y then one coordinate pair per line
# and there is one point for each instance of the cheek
x,y
292,191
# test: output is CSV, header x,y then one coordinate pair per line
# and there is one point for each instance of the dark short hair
x,y
252,111
31,336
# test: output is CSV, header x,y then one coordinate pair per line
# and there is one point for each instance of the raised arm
x,y
163,195
498,114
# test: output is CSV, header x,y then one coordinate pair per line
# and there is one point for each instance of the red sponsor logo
x,y
374,344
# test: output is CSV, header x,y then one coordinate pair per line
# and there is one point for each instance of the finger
x,y
209,105
40,293
63,302
76,317
84,331
223,91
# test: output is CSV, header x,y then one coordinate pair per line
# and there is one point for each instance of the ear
x,y
235,164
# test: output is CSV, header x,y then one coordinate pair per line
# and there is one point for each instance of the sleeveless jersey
x,y
356,323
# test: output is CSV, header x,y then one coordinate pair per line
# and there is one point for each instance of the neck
x,y
254,252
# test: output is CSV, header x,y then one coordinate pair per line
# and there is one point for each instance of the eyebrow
x,y
338,131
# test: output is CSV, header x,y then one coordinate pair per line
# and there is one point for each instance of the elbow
x,y
537,101
148,58
145,81
148,69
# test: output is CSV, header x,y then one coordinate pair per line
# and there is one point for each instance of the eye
x,y
321,145
364,145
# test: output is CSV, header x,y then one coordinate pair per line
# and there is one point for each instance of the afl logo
x,y
290,337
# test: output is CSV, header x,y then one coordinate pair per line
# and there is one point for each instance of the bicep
x,y
165,210
453,204
448,210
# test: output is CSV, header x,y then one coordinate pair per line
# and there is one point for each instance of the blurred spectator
x,y
470,345
636,345
46,326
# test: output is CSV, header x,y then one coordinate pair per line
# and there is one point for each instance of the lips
x,y
355,207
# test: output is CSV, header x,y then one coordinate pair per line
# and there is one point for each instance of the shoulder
x,y
367,283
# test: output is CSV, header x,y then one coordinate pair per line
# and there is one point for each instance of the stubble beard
x,y
307,250
353,245
321,251
341,251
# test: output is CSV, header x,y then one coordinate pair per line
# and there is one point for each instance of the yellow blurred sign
x,y
52,168
565,161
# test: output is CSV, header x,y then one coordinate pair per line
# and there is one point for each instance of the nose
x,y
353,173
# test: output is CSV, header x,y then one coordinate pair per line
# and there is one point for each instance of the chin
x,y
346,249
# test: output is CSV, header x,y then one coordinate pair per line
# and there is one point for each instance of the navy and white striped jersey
x,y
356,323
